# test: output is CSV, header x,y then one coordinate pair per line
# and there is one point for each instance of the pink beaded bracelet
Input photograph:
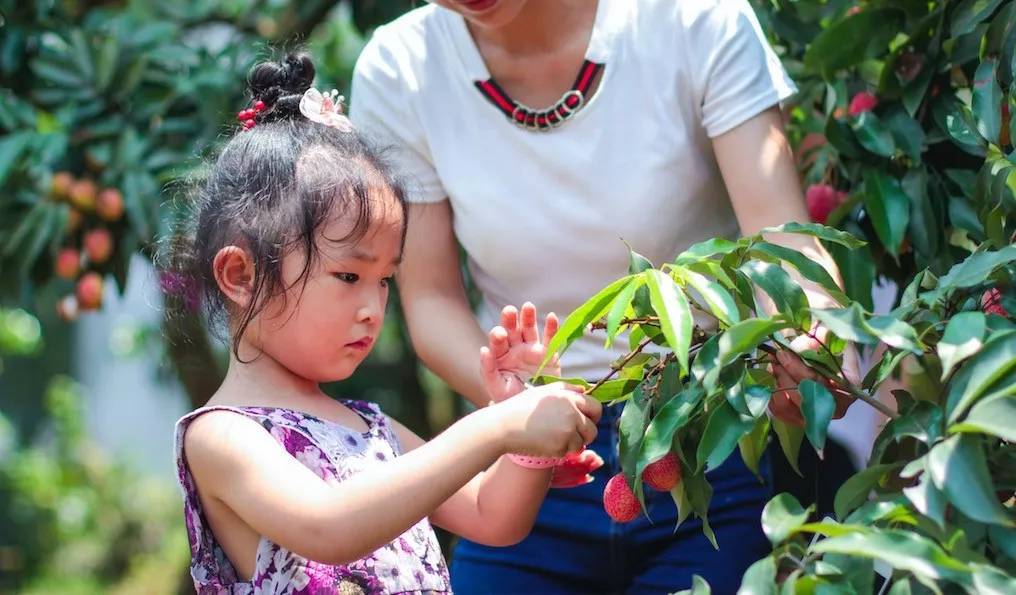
x,y
535,462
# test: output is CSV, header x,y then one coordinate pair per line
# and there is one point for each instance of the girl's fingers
x,y
510,321
528,325
550,327
488,367
499,342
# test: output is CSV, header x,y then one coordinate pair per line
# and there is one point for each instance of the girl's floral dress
x,y
412,563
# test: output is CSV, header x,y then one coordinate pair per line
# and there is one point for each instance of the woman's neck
x,y
541,26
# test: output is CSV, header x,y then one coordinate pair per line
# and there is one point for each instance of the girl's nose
x,y
370,309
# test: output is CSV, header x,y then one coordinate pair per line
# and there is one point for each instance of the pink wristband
x,y
534,462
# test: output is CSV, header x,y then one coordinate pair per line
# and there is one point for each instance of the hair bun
x,y
281,85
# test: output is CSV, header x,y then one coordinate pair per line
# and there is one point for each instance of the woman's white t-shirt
x,y
542,215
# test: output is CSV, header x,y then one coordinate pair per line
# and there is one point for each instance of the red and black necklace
x,y
543,120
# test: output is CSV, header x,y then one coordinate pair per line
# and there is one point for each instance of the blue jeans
x,y
575,548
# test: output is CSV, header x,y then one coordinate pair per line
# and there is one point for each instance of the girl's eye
x,y
347,277
387,281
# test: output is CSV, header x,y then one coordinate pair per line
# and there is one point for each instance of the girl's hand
x,y
790,371
547,421
575,469
515,352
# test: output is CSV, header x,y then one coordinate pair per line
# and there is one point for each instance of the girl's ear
x,y
234,273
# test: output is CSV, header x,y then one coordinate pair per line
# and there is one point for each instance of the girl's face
x,y
323,330
485,13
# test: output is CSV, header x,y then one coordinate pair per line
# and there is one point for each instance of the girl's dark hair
x,y
271,189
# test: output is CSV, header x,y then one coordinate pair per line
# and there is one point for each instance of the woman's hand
x,y
790,370
515,351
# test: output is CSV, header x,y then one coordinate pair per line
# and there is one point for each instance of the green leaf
x,y
852,40
995,416
989,580
788,297
955,119
760,578
699,493
924,227
927,499
855,490
846,323
756,397
11,148
706,249
790,438
575,324
636,262
716,297
631,429
808,268
817,406
972,271
612,390
672,307
620,306
822,232
888,207
969,14
873,136
906,132
753,445
781,516
878,374
894,333
857,268
980,376
722,432
962,338
987,100
660,434
903,550
958,468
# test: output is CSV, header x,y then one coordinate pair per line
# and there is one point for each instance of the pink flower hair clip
x,y
325,109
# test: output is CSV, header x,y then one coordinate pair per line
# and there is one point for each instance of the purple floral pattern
x,y
411,564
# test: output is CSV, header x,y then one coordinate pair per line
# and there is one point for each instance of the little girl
x,y
299,230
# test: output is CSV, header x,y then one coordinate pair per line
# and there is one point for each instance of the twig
x,y
615,369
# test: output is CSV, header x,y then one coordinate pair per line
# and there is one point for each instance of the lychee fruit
x,y
89,291
60,185
619,501
82,194
74,220
98,244
68,264
822,199
862,102
109,204
991,303
663,474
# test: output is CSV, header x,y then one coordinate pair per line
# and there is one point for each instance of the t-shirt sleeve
x,y
380,108
737,73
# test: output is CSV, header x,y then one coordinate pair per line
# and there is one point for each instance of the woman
x,y
657,122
